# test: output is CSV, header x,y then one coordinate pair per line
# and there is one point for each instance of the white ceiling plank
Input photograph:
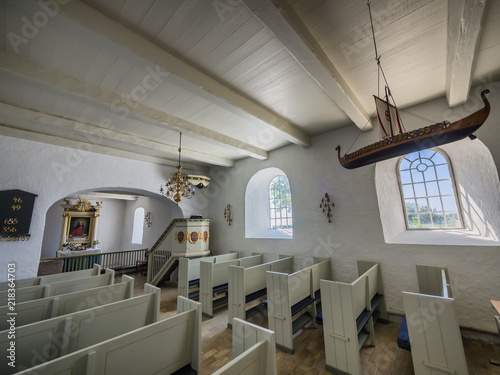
x,y
465,18
130,42
12,63
96,132
296,38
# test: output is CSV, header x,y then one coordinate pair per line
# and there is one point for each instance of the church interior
x,y
243,170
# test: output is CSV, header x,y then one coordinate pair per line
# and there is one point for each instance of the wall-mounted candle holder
x,y
227,214
327,205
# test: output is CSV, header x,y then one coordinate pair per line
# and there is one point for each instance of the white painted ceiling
x,y
238,78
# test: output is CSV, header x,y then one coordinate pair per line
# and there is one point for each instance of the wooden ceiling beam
x,y
465,18
98,132
15,65
94,24
290,30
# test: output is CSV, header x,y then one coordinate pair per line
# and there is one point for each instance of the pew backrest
x,y
433,280
50,307
168,345
46,279
52,338
60,287
189,270
245,281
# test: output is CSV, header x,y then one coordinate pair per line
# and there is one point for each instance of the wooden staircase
x,y
160,261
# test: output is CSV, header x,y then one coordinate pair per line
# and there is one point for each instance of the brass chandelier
x,y
178,186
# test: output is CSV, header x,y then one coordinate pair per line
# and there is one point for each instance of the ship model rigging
x,y
396,142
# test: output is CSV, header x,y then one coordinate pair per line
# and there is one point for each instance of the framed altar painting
x,y
79,227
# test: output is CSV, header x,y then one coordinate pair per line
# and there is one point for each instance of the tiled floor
x,y
309,357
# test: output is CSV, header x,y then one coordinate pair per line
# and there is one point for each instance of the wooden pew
x,y
158,348
248,284
40,280
50,307
349,311
432,280
432,326
292,300
214,281
189,273
253,351
60,287
52,338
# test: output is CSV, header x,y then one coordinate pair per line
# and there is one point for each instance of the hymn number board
x,y
16,208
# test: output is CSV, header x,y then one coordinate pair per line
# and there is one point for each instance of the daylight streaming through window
x,y
280,203
428,191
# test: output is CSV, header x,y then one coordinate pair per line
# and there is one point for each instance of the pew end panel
x,y
436,342
183,305
253,351
339,327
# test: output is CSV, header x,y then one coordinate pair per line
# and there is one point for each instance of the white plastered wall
x,y
54,172
356,230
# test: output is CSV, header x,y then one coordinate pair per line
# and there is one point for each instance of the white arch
x,y
257,206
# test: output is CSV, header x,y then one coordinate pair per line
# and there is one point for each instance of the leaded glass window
x,y
280,203
428,191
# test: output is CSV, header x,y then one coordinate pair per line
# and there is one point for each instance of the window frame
x,y
453,185
289,217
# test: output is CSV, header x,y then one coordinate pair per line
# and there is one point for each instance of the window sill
x,y
443,238
276,234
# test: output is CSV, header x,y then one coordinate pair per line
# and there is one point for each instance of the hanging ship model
x,y
397,142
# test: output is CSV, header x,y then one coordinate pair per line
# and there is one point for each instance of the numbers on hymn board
x,y
11,221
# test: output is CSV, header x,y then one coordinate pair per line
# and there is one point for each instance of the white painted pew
x,y
158,348
189,273
432,280
46,279
50,307
61,287
432,324
254,351
292,300
214,281
248,284
436,342
52,338
348,311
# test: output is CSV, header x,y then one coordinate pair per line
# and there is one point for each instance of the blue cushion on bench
x,y
194,282
319,318
403,336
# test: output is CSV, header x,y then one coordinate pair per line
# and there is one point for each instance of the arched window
x,y
280,203
428,191
138,228
268,205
